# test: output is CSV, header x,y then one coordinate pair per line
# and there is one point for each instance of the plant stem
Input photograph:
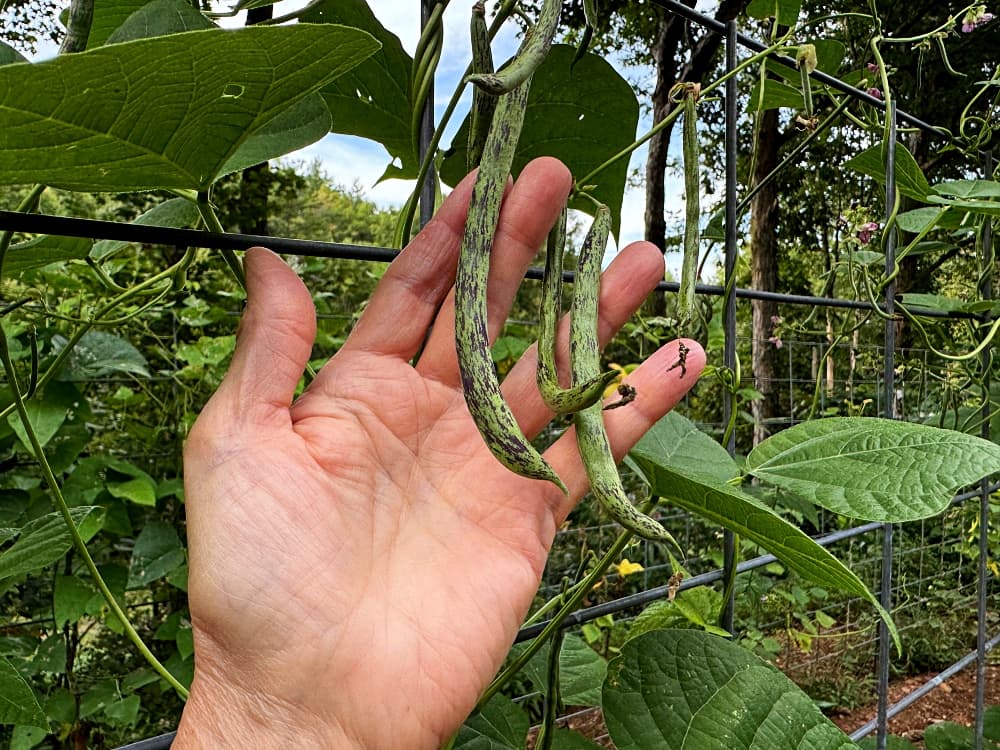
x,y
675,113
82,330
572,602
81,546
404,225
213,224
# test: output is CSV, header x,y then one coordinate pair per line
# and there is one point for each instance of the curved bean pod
x,y
493,418
595,450
558,399
529,55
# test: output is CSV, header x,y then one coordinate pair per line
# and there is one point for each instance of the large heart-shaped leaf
x,y
499,725
873,469
159,18
374,99
166,112
910,180
108,16
583,114
681,482
687,690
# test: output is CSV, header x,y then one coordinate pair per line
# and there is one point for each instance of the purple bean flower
x,y
866,232
975,18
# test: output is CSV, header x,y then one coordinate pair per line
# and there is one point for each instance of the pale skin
x,y
360,562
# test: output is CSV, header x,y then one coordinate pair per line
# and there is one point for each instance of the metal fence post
x,y
889,411
986,292
729,314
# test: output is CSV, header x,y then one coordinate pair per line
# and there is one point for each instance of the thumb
x,y
273,344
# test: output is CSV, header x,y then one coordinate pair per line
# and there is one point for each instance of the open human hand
x,y
360,562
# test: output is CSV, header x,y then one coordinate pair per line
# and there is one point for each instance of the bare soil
x,y
954,700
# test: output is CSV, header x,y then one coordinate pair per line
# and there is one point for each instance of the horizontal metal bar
x,y
911,698
651,595
66,226
754,45
161,742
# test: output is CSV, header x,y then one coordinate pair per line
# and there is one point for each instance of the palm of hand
x,y
358,558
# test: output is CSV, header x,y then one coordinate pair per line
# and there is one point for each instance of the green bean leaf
x,y
873,469
109,15
374,99
43,250
910,180
500,725
166,112
158,18
673,474
687,690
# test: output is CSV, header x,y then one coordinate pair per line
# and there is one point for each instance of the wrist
x,y
220,715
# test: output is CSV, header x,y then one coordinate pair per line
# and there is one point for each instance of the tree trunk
x,y
764,275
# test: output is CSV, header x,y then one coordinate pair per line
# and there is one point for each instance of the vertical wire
x,y
985,292
729,313
889,411
427,190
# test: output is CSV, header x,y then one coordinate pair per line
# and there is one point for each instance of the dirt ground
x,y
955,700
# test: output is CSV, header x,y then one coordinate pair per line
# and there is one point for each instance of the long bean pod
x,y
483,104
558,399
692,214
595,450
533,49
493,418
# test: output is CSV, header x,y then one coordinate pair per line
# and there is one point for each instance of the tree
x,y
24,24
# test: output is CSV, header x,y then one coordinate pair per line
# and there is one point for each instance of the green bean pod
x,y
529,55
595,450
493,418
483,104
692,215
558,399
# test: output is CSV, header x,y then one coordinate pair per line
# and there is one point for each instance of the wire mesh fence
x,y
931,574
